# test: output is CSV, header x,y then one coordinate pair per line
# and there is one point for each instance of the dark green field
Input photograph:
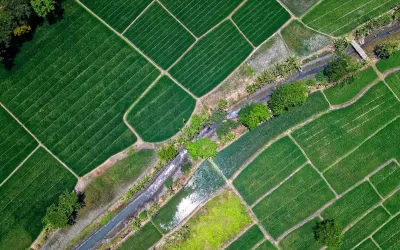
x,y
162,112
15,144
200,16
229,160
388,236
143,239
26,195
73,91
159,36
387,179
393,80
117,13
247,240
259,19
212,59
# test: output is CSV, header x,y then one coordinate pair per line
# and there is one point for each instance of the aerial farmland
x,y
188,124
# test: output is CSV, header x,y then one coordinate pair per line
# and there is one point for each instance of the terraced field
x,y
338,17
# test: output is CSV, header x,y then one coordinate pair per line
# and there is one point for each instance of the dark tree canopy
x,y
60,215
329,233
288,96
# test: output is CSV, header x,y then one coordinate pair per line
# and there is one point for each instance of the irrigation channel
x,y
195,192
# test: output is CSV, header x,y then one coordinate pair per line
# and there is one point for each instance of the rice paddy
x,y
302,238
248,240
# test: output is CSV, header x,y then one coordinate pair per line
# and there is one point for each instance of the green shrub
x,y
341,67
143,215
186,167
218,116
226,127
288,96
169,183
329,233
252,114
385,50
167,153
203,148
222,104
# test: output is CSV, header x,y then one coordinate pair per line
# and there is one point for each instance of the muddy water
x,y
204,183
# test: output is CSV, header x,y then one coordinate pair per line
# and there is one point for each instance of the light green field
x,y
393,80
343,93
295,200
365,227
218,221
387,179
143,239
333,135
269,168
389,63
388,236
367,245
352,205
338,17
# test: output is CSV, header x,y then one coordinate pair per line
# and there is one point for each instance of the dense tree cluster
x,y
62,214
329,233
253,114
18,22
287,96
385,50
203,148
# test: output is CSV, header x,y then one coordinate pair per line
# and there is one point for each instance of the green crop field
x,y
295,200
367,245
302,238
26,195
303,41
212,59
143,239
229,160
204,183
364,227
387,179
333,135
247,240
15,144
338,17
343,93
72,95
388,236
352,205
299,7
259,19
266,246
379,149
200,16
393,80
117,13
269,168
161,113
159,36
389,63
393,203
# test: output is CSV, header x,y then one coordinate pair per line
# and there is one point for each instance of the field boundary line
x,y
374,188
278,185
376,243
387,85
310,9
20,165
37,140
362,143
326,98
241,32
179,21
251,213
382,77
136,102
140,15
135,48
313,166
